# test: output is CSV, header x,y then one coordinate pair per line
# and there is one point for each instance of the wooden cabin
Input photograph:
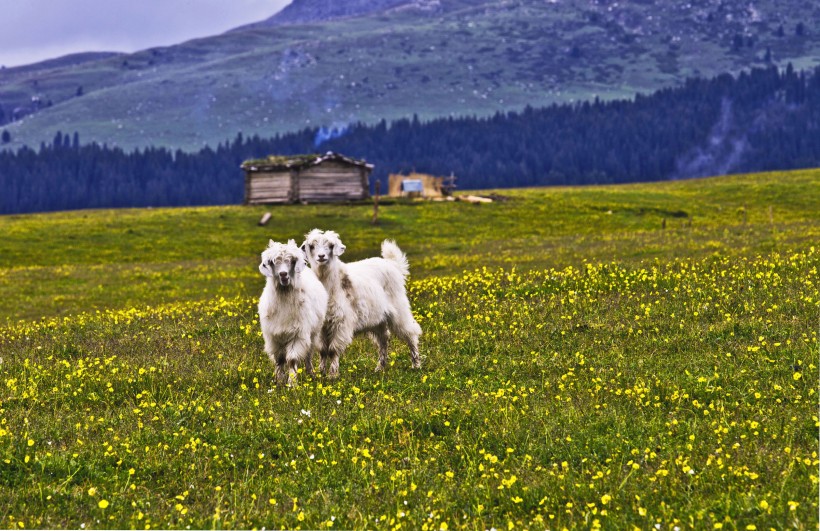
x,y
324,178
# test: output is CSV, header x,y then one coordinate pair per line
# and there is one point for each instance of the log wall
x,y
268,187
331,181
324,183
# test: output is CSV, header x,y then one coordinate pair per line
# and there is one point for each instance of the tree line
x,y
764,119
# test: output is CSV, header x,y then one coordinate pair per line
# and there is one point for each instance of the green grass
x,y
610,356
65,263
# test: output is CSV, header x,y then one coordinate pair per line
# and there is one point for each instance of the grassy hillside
x,y
76,261
610,356
458,59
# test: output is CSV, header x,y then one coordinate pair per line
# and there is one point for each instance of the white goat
x,y
366,296
291,310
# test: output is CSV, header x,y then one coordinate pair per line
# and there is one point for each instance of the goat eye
x,y
310,246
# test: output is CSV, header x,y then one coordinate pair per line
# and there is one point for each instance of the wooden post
x,y
247,187
376,203
295,193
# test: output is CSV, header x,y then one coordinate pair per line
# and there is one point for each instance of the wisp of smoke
x,y
323,134
722,153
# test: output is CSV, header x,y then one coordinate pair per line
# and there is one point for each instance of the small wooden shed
x,y
419,185
324,178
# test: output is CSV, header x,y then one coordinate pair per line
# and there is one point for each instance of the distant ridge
x,y
74,59
310,11
334,64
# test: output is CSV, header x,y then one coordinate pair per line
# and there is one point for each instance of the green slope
x,y
622,357
456,59
65,263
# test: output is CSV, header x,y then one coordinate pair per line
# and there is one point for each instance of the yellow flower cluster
x,y
677,393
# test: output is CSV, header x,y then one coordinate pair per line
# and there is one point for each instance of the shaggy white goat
x,y
291,310
365,296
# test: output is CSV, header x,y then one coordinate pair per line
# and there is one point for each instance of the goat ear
x,y
300,264
265,270
340,249
271,243
304,247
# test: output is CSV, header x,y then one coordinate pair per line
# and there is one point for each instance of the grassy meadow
x,y
607,357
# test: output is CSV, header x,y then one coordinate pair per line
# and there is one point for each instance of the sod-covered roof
x,y
287,162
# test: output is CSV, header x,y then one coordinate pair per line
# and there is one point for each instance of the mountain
x,y
763,120
318,64
65,61
308,11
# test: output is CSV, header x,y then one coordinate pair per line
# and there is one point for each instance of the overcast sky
x,y
34,30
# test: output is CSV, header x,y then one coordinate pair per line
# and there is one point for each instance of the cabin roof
x,y
287,162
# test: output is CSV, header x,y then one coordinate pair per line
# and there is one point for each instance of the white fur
x,y
367,296
291,310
